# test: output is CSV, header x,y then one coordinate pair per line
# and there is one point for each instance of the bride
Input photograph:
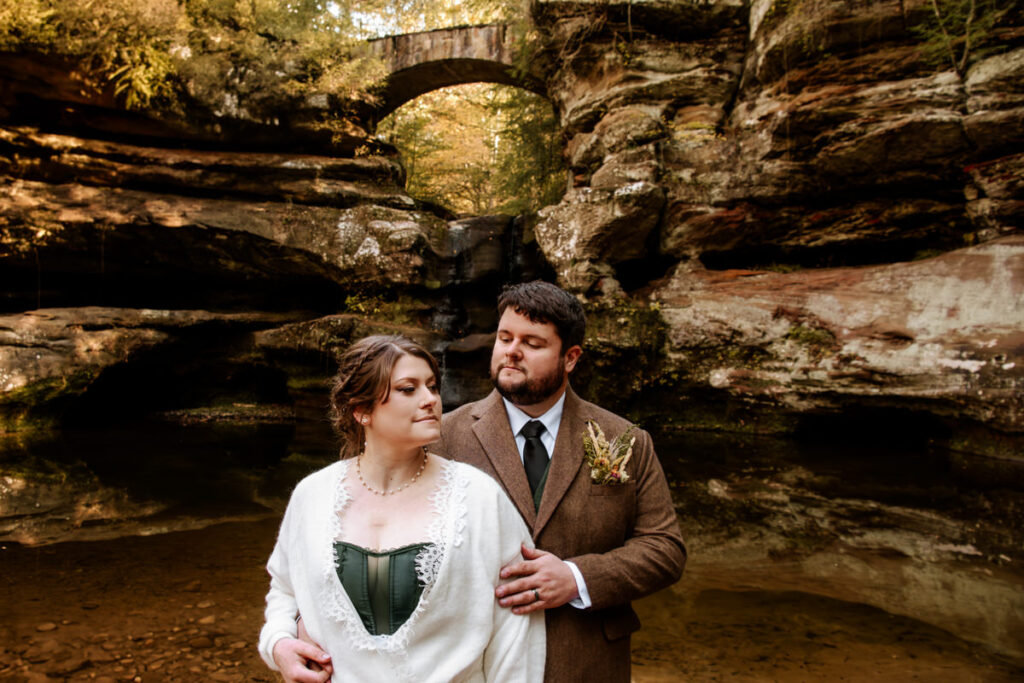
x,y
391,555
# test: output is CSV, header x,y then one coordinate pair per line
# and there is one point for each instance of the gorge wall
x,y
776,211
782,217
754,170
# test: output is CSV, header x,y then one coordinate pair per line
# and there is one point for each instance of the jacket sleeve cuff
x,y
582,601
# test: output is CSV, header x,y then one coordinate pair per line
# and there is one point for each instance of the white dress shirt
x,y
551,421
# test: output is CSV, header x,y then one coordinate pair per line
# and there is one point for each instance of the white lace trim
x,y
444,532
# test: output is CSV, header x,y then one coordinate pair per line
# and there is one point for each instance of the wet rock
x,y
69,664
51,357
477,248
889,554
42,651
929,335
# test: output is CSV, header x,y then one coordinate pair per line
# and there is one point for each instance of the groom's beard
x,y
531,390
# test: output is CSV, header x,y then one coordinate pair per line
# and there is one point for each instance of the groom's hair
x,y
543,302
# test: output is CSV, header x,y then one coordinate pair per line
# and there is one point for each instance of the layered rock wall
x,y
739,173
106,225
792,153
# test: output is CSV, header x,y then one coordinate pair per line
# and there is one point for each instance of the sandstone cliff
x,y
807,158
798,213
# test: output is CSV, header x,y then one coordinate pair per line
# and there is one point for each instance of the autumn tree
x,y
479,149
149,50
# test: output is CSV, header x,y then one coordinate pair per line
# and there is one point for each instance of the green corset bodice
x,y
382,586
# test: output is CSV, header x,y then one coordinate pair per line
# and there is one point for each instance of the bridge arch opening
x,y
412,82
479,149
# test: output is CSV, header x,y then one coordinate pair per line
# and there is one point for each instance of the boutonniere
x,y
608,460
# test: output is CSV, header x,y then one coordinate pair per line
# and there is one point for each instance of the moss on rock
x,y
39,406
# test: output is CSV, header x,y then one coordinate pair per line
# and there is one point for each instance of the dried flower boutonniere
x,y
608,460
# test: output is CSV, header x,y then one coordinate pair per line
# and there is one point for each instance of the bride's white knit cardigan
x,y
458,632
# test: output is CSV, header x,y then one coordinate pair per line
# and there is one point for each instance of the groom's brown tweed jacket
x,y
624,538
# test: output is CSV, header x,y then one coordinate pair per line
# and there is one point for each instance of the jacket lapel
x,y
495,436
565,461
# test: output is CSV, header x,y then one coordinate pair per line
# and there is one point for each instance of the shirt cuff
x,y
583,601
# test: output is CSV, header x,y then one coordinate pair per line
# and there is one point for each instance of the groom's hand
x,y
542,572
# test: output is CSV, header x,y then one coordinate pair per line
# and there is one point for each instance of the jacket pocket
x,y
620,621
612,489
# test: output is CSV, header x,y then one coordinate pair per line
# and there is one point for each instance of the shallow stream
x,y
804,555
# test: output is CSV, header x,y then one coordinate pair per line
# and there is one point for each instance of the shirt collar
x,y
551,419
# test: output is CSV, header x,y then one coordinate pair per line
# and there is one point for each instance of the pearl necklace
x,y
359,473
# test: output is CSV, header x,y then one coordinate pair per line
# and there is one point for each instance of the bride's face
x,y
411,415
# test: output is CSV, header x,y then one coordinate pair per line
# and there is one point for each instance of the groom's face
x,y
527,364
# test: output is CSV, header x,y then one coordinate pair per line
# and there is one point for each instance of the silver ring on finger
x,y
536,595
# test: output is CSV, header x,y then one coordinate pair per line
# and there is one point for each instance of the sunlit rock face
x,y
800,134
940,336
809,159
108,244
595,226
183,223
626,78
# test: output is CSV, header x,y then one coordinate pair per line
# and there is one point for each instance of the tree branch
x,y
945,34
962,70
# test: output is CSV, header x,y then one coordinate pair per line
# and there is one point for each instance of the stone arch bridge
x,y
421,62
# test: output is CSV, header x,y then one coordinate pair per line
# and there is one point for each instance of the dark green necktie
x,y
535,456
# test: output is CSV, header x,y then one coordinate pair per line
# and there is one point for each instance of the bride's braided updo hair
x,y
364,379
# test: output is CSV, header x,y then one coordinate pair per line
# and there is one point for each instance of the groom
x,y
601,545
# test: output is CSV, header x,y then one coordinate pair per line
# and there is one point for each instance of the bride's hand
x,y
302,662
313,664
